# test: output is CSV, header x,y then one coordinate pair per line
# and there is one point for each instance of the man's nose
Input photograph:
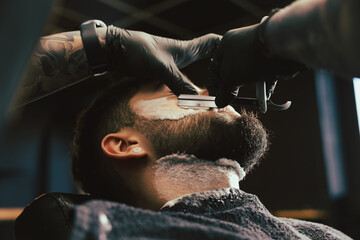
x,y
204,92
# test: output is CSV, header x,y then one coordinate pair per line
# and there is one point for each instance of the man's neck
x,y
178,175
169,188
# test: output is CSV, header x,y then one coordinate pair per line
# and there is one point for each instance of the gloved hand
x,y
243,57
135,53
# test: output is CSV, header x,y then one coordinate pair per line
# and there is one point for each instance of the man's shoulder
x,y
247,218
315,230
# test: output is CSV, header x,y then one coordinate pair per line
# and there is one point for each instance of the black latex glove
x,y
243,58
135,53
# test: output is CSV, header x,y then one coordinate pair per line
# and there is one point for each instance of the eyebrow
x,y
159,86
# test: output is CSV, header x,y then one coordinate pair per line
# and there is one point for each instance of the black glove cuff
x,y
94,52
115,49
261,34
278,67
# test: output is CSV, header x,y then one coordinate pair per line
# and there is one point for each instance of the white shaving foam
x,y
162,108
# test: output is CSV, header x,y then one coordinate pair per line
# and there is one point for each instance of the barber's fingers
x,y
226,95
193,50
213,81
270,88
184,53
218,84
176,81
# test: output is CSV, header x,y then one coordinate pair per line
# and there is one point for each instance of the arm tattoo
x,y
58,61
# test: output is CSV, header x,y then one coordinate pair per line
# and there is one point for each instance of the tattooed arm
x,y
58,61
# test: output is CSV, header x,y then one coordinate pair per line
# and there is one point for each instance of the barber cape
x,y
220,214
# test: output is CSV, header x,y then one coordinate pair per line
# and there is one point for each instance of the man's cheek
x,y
162,109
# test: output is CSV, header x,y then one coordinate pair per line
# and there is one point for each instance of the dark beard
x,y
208,135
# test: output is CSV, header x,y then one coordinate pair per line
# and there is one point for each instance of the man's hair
x,y
91,168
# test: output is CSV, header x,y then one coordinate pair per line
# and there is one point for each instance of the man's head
x,y
134,116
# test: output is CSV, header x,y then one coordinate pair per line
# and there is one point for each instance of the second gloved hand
x,y
242,58
135,53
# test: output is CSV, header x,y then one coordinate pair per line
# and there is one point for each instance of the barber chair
x,y
49,217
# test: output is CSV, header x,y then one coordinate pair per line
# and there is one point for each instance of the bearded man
x,y
159,171
172,173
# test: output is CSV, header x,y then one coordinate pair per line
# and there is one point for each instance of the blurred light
x,y
9,214
357,98
330,134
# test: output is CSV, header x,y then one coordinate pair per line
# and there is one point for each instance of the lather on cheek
x,y
162,108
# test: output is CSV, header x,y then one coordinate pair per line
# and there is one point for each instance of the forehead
x,y
156,101
151,90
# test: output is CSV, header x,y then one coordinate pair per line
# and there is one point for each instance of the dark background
x,y
36,145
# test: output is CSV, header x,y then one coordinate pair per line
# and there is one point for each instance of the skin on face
x,y
152,187
156,101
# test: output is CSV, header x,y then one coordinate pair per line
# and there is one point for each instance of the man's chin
x,y
240,137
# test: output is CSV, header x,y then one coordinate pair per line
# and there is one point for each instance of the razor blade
x,y
262,101
196,101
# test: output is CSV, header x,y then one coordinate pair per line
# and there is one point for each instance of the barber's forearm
x,y
320,33
58,61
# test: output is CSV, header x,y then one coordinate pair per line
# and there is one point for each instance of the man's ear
x,y
123,145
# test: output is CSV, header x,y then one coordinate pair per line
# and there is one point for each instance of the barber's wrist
x,y
93,44
286,68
